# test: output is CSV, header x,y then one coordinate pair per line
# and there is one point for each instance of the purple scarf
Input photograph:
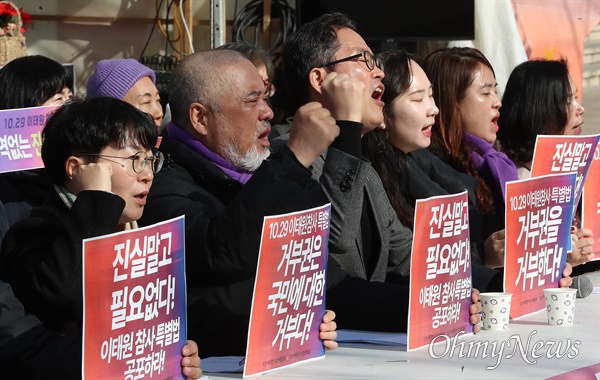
x,y
487,159
188,140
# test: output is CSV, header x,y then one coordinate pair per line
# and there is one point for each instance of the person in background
x,y
259,57
130,81
219,177
263,61
30,81
407,169
34,81
541,99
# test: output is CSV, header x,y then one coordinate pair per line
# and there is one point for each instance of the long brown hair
x,y
450,71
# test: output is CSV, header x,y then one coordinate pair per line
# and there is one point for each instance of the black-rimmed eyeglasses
x,y
139,161
367,57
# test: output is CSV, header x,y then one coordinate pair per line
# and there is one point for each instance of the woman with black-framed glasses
x,y
99,156
139,161
91,196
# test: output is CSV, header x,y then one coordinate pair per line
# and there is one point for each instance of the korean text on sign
x,y
134,312
289,294
440,284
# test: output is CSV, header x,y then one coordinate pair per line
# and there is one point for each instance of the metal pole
x,y
217,23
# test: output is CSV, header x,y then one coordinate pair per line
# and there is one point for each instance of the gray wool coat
x,y
346,179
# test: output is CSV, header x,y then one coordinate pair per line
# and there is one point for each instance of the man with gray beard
x,y
219,173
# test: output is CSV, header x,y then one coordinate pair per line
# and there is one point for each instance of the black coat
x,y
223,222
20,192
223,228
28,350
41,255
429,176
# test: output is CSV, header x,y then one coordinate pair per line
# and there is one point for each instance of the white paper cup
x,y
495,310
560,305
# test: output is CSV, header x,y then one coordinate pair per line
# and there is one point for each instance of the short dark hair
x,y
535,103
30,81
88,126
312,45
256,54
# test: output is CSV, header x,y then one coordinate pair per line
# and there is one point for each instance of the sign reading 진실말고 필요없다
x,y
440,273
135,303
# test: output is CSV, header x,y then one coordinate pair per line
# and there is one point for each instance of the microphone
x,y
583,285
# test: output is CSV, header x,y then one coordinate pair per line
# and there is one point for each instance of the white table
x,y
362,361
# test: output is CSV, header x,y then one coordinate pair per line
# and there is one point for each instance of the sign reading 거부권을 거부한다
x,y
289,293
590,211
21,137
440,274
538,224
135,303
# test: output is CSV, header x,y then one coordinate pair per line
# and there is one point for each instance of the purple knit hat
x,y
115,77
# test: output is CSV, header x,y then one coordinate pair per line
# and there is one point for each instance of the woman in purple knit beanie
x,y
128,80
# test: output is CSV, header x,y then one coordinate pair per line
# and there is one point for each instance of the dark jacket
x,y
223,221
20,192
492,221
223,228
41,256
429,176
28,350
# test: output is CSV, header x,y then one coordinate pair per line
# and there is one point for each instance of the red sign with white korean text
x,y
289,293
538,223
135,303
21,137
590,213
440,274
564,154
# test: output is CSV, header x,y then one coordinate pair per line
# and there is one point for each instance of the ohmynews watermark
x,y
446,346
